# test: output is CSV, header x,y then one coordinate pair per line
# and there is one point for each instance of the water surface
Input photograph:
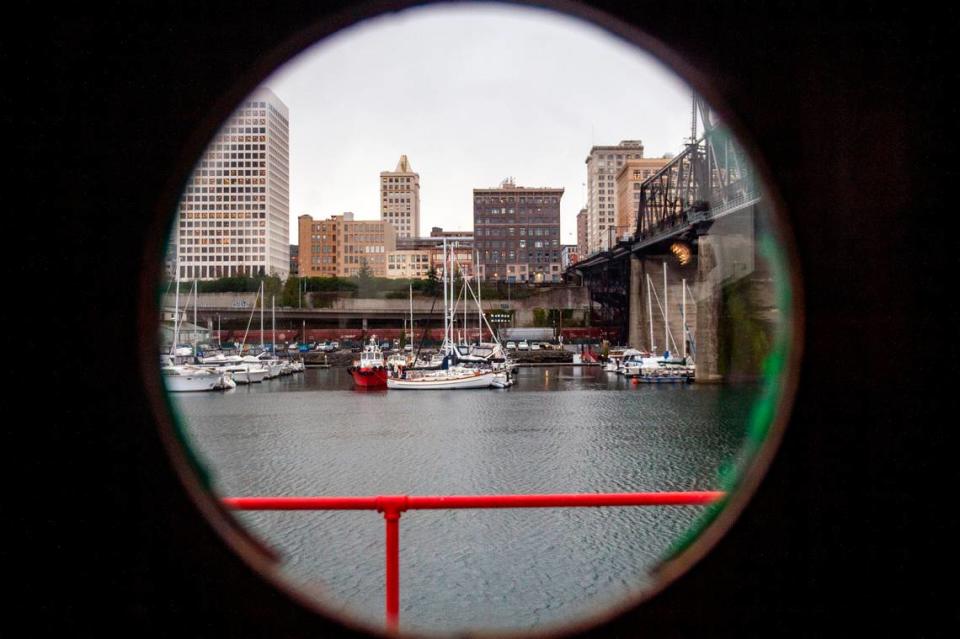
x,y
559,429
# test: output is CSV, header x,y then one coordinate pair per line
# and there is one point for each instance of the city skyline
x,y
519,92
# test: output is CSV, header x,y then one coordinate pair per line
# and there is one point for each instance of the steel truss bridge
x,y
712,178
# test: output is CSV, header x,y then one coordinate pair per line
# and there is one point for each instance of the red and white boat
x,y
370,371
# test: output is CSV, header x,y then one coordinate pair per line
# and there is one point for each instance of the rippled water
x,y
559,429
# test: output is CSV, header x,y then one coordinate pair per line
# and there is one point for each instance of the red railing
x,y
392,506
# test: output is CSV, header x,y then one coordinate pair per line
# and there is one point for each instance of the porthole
x,y
687,294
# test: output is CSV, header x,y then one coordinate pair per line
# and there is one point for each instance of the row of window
x,y
246,215
224,257
509,199
508,231
226,270
244,206
223,244
204,185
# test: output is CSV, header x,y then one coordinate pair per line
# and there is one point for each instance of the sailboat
x,y
649,369
184,377
451,375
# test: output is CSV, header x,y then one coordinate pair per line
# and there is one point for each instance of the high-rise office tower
x,y
400,199
603,165
234,215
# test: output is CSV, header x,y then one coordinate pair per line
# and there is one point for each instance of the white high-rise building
x,y
400,199
234,215
603,165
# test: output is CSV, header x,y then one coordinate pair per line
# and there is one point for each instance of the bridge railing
x,y
393,506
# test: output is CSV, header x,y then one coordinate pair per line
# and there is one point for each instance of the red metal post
x,y
392,506
393,569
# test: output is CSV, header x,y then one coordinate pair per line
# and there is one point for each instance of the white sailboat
x,y
652,369
452,375
180,378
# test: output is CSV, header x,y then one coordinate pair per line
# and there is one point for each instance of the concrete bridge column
x,y
709,302
637,321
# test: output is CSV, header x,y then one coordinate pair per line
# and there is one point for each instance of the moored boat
x,y
370,371
180,379
451,378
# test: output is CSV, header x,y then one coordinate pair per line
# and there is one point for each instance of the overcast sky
x,y
471,94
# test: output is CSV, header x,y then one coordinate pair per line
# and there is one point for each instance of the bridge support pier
x,y
709,302
638,309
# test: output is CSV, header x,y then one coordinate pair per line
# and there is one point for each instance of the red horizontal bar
x,y
564,500
301,503
401,503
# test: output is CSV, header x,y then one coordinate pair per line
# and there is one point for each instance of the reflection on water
x,y
312,434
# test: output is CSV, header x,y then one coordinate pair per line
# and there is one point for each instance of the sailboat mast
x,y
476,258
666,310
683,313
452,303
411,314
653,348
261,314
446,318
195,302
176,313
273,324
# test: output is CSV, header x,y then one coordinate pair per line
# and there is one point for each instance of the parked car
x,y
534,346
523,346
511,346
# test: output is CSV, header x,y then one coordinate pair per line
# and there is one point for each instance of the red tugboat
x,y
370,371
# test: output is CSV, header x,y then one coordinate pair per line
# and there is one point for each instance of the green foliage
x,y
432,283
291,292
330,285
365,286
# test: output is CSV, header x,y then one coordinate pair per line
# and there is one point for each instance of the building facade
x,y
603,165
460,242
582,223
438,232
234,215
400,199
463,255
568,256
409,264
629,179
294,260
340,246
517,232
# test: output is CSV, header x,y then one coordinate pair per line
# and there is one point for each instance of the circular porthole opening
x,y
488,291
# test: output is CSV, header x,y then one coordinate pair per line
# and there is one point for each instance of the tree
x,y
364,279
291,292
432,283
